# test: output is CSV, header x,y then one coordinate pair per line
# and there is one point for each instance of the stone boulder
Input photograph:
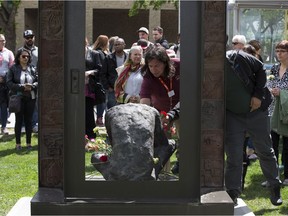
x,y
140,148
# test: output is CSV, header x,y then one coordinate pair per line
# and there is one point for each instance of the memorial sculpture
x,y
139,145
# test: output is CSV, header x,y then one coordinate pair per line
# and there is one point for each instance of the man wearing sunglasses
x,y
29,40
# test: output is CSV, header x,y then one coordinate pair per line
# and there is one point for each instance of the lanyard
x,y
169,92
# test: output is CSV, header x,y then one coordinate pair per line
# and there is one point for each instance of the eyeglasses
x,y
235,43
281,51
25,56
29,37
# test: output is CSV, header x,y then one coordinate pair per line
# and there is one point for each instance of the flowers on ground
x,y
99,144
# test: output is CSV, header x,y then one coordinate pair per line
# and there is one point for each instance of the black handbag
x,y
94,86
14,103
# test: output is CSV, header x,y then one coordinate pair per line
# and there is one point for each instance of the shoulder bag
x,y
14,103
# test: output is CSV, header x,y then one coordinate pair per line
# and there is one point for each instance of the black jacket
x,y
163,42
13,79
250,70
251,73
109,68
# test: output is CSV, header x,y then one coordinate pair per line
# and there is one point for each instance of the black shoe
x,y
275,196
234,195
175,168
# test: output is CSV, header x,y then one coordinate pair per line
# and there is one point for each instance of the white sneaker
x,y
285,182
4,131
253,157
35,129
265,184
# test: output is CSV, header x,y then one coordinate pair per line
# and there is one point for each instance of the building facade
x,y
109,18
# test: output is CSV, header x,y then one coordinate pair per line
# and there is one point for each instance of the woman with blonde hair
x,y
129,81
102,46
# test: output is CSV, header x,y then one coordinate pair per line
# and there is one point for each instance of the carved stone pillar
x,y
51,98
212,158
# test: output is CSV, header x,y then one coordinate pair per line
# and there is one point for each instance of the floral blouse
x,y
273,80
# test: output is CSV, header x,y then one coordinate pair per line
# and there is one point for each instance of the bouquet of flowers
x,y
99,145
167,127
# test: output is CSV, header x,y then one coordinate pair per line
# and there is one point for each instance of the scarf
x,y
121,80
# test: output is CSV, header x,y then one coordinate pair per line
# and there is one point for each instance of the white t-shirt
x,y
120,60
6,61
133,83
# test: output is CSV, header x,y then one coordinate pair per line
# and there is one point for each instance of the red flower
x,y
103,158
163,114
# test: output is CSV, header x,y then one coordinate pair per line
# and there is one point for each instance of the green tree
x,y
8,10
145,4
265,25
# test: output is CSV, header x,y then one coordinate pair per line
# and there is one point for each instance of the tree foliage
x,y
265,25
8,10
145,4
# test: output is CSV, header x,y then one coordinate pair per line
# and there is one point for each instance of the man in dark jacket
x,y
112,61
159,38
246,111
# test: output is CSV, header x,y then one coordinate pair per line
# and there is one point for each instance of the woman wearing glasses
x,y
278,84
22,80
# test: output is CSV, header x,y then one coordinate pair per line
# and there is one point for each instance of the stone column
x,y
51,94
212,162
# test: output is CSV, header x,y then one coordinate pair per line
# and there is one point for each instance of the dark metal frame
x,y
187,189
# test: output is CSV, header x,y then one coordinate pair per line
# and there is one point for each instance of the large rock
x,y
137,138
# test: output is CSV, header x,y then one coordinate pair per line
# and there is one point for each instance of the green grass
x,y
19,178
19,172
257,197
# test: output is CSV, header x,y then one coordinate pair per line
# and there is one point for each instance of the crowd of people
x,y
119,74
148,74
256,111
18,76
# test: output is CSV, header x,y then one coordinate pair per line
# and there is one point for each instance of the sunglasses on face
x,y
29,37
24,56
235,43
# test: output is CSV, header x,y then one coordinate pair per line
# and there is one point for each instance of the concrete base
x,y
207,206
51,202
22,207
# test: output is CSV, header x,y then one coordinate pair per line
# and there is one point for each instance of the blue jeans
x,y
257,124
4,114
110,99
